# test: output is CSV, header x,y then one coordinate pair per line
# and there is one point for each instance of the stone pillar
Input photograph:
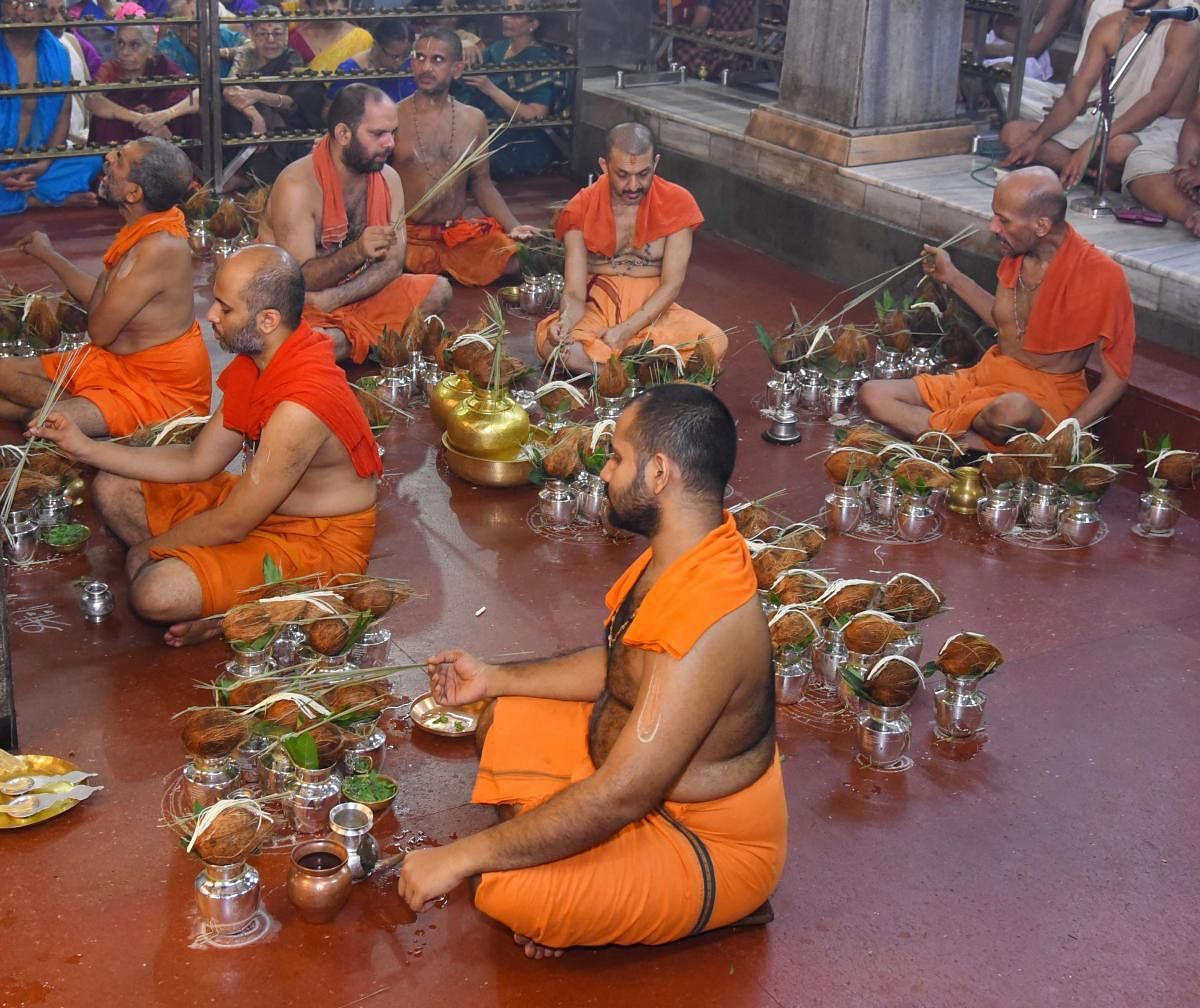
x,y
867,81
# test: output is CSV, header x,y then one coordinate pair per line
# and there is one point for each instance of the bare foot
x,y
1193,223
191,632
535,951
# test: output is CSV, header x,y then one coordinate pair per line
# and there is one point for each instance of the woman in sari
x,y
324,44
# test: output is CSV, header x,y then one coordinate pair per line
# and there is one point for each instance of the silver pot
x,y
591,499
837,396
883,735
910,646
227,895
312,798
885,497
557,502
924,360
276,772
200,239
364,741
207,781
1158,511
1078,522
810,390
997,514
249,754
829,654
533,296
916,518
350,825
844,509
891,364
20,541
958,708
791,676
609,407
1042,506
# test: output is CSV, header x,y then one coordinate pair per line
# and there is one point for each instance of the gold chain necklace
x,y
421,146
1030,291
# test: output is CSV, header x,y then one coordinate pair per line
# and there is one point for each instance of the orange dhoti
x,y
474,251
956,399
299,546
362,321
611,300
683,869
147,387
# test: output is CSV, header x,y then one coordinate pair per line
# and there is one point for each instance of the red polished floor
x,y
1056,867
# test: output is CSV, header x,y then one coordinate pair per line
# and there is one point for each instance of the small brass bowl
x,y
376,806
510,296
511,471
74,547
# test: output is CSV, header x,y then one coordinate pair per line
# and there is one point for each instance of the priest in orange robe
x,y
628,240
1058,300
637,781
340,213
198,537
145,360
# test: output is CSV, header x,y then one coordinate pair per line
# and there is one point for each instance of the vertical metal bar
x,y
1020,51
209,59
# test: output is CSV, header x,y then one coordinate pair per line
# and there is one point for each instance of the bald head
x,y
1036,192
629,138
267,277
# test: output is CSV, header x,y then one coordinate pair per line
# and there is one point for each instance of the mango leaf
x,y
272,574
302,750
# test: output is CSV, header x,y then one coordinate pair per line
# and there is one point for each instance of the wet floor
x,y
1052,865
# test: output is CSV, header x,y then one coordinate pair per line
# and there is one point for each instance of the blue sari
x,y
65,175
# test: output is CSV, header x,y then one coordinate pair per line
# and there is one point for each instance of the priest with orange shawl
x,y
340,213
1059,300
637,781
628,240
145,359
198,537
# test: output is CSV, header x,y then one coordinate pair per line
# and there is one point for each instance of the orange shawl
x,y
171,221
666,208
1083,298
335,225
301,371
708,582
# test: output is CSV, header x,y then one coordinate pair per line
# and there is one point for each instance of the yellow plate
x,y
453,722
48,765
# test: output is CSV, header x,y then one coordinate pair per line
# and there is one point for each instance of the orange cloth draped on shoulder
x,y
142,388
302,371
1083,299
362,321
334,545
171,221
475,251
956,399
683,869
666,209
705,584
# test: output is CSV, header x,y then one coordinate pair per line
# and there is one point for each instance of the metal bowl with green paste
x,y
66,538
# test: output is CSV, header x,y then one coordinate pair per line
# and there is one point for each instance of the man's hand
x,y
937,265
457,678
429,874
321,300
1023,154
1075,167
1186,178
523,232
59,429
152,121
480,83
20,179
473,54
560,331
376,241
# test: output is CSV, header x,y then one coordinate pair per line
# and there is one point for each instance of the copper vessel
x,y
318,880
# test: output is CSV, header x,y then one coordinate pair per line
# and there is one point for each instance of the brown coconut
x,y
433,329
1091,477
362,699
511,368
200,205
847,466
557,400
892,682
210,734
894,331
918,472
41,321
799,587
375,596
807,538
378,413
246,623
253,691
969,654
702,359
794,627
464,356
330,743
752,519
851,346
71,317
769,563
329,635
612,382
1181,469
910,599
284,713
227,221
391,348
848,598
232,836
866,437
997,470
1057,453
938,446
562,459
871,632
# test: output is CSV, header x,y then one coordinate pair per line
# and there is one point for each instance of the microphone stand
x,y
1098,206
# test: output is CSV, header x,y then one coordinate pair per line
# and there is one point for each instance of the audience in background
x,y
390,52
322,45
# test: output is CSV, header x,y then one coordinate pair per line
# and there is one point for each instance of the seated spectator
x,y
267,108
527,94
389,53
1051,18
1166,178
57,11
324,44
465,28
119,116
1158,89
81,70
732,19
179,43
34,54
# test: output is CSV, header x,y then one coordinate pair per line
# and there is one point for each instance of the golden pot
x,y
966,491
488,424
447,395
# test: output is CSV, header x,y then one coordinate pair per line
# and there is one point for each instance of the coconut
x,y
804,537
378,413
845,598
391,348
1090,477
612,382
871,631
209,734
851,346
252,691
330,743
769,563
362,699
373,595
785,352
795,627
557,400
328,636
285,713
510,369
433,329
919,473
702,360
1180,469
246,623
200,205
969,654
938,446
289,610
996,470
796,587
254,203
850,466
41,321
752,519
562,459
51,463
1058,451
464,356
867,437
894,331
910,599
227,221
232,834
892,681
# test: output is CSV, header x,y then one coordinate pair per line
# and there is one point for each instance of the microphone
x,y
1157,14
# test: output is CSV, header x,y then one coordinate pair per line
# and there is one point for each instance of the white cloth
x,y
1036,67
1157,153
77,130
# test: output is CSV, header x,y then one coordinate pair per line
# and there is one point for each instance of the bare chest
x,y
436,138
